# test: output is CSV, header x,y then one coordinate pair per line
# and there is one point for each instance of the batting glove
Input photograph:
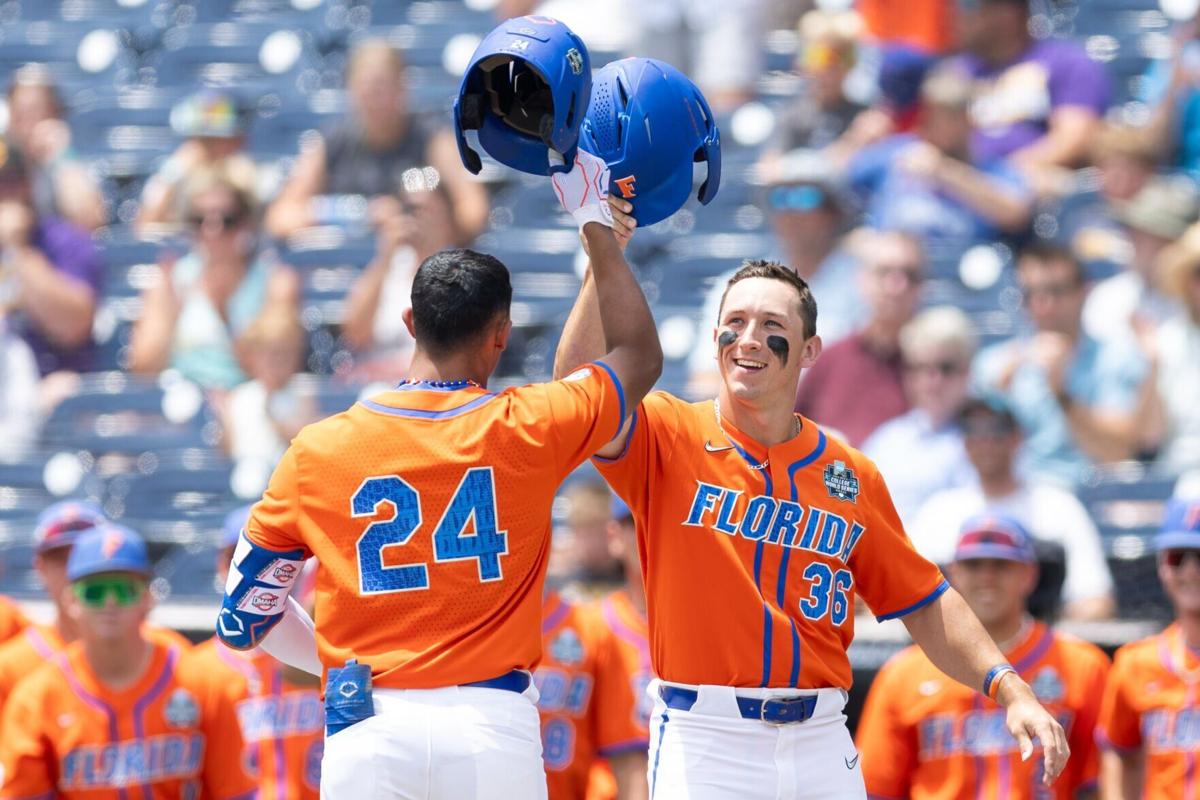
x,y
583,191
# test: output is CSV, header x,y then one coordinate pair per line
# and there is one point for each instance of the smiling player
x,y
756,532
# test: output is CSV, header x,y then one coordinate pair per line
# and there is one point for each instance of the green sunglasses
x,y
94,592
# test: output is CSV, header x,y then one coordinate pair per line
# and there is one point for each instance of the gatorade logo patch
x,y
626,185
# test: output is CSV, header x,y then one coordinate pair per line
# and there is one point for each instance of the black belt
x,y
777,711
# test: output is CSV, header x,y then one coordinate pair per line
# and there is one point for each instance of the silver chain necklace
x,y
766,462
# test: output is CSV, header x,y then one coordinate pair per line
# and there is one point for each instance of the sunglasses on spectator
x,y
797,198
944,368
94,592
226,220
1055,291
1175,558
911,275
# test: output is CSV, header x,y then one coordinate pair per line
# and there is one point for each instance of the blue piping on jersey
x,y
620,393
421,413
628,440
758,555
929,598
781,589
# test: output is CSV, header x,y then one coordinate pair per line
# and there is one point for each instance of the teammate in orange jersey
x,y
428,509
278,707
12,621
117,715
1150,717
580,683
924,737
55,531
756,531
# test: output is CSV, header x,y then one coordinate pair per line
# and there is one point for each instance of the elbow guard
x,y
256,593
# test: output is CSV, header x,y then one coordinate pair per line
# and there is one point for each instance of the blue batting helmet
x,y
651,124
525,92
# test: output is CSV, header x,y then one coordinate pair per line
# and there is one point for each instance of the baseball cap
x,y
995,535
1181,525
108,548
804,180
61,524
1165,207
902,70
234,522
619,510
208,113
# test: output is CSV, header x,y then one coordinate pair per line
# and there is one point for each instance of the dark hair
x,y
992,407
761,268
1044,252
456,294
37,76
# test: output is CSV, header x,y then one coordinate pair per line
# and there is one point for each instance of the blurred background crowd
x,y
211,212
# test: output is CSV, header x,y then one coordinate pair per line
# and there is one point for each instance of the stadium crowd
x,y
994,203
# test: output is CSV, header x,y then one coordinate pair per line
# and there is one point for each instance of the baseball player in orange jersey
x,y
12,621
117,716
278,707
1150,717
756,532
428,509
55,532
579,680
927,738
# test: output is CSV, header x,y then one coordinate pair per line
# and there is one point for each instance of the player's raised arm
x,y
611,320
955,641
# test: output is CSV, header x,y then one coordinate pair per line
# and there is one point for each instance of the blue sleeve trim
x,y
621,748
620,393
934,595
624,450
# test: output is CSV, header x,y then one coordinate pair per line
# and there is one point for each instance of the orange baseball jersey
x,y
428,509
627,723
168,736
753,557
282,723
12,621
1152,704
576,680
924,736
38,644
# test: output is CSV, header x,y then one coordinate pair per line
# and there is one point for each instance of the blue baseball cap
x,y
235,521
108,548
619,510
995,535
1181,526
61,524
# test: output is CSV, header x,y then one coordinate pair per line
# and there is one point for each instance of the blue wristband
x,y
991,680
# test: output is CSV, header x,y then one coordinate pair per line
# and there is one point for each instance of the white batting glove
x,y
583,191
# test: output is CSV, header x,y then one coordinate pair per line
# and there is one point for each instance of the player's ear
x,y
503,331
810,351
407,316
70,603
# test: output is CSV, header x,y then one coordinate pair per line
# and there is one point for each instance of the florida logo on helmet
x,y
626,185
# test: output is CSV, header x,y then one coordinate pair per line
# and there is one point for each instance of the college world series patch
x,y
841,483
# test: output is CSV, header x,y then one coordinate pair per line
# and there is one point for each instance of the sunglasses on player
x,y
1175,558
94,592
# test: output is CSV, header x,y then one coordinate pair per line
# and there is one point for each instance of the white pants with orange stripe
x,y
709,752
439,744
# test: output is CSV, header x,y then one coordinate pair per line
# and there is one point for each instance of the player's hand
x,y
623,223
1027,720
583,191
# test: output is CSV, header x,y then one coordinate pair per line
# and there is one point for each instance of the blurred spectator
x,y
856,385
18,396
266,412
925,184
50,275
1136,300
1037,102
214,129
924,24
381,343
194,315
715,42
591,564
1171,88
1051,514
62,185
370,152
921,452
1173,413
1075,396
808,213
821,112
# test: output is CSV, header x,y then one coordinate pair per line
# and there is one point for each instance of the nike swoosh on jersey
x,y
851,763
708,446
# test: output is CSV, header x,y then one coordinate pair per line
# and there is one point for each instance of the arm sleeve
x,y
274,522
1118,724
25,753
586,410
887,746
293,641
1093,669
889,574
651,438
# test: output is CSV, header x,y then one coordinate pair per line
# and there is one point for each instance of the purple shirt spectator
x,y
70,249
1013,104
853,389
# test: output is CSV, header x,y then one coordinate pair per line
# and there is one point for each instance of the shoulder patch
x,y
567,648
181,710
841,482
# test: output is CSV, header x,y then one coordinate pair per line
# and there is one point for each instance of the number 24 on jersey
x,y
473,500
